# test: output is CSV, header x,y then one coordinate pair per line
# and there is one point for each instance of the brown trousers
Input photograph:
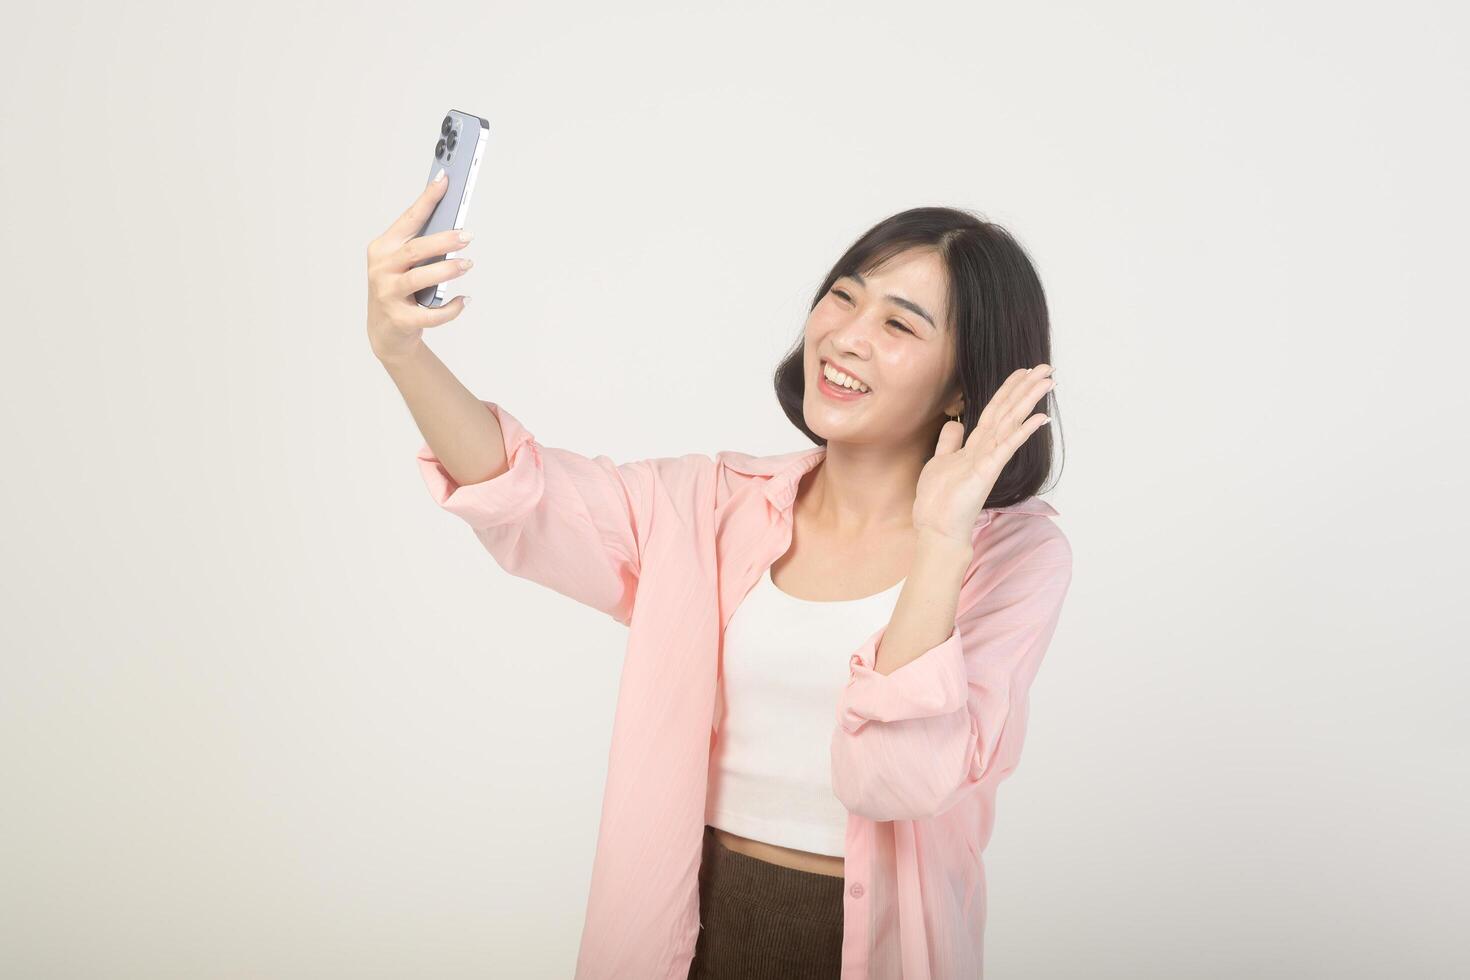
x,y
761,921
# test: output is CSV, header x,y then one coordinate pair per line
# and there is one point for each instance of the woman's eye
x,y
848,299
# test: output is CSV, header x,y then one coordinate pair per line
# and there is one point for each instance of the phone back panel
x,y
459,148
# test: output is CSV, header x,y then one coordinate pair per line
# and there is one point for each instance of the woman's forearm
x,y
461,431
925,614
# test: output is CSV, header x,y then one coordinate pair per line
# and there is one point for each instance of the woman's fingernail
x,y
465,236
439,176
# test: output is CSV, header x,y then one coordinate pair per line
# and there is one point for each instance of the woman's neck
x,y
859,492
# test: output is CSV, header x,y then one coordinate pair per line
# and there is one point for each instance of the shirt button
x,y
856,891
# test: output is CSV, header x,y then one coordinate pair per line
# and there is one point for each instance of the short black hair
x,y
997,312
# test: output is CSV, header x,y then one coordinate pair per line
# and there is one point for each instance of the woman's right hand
x,y
395,320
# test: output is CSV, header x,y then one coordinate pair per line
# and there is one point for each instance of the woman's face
x,y
871,327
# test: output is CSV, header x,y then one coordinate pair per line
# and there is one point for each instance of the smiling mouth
x,y
822,379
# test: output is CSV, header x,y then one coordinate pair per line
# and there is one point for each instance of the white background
x,y
266,711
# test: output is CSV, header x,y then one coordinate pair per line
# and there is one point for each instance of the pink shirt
x,y
669,547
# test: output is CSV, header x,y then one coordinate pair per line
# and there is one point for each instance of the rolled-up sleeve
x,y
910,744
571,523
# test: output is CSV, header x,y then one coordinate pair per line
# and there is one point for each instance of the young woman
x,y
830,649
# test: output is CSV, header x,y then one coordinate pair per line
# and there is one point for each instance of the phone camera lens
x,y
446,125
439,150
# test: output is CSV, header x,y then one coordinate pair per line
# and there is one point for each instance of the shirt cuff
x,y
500,500
932,684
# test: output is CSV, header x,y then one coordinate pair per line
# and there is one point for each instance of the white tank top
x,y
785,663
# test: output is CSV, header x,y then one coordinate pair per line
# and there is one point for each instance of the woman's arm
x,y
925,613
465,438
571,523
552,516
913,739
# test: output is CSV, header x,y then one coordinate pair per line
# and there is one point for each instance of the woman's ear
x,y
956,404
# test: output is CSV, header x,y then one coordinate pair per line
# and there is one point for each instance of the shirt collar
x,y
785,470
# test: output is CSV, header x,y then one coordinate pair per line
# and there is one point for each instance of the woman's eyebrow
x,y
909,305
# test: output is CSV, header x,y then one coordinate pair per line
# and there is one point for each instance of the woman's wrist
x,y
941,549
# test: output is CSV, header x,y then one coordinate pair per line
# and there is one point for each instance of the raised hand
x,y
395,321
955,484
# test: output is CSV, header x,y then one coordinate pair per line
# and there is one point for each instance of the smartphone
x,y
461,143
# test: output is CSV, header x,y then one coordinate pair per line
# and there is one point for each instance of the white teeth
x,y
841,380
